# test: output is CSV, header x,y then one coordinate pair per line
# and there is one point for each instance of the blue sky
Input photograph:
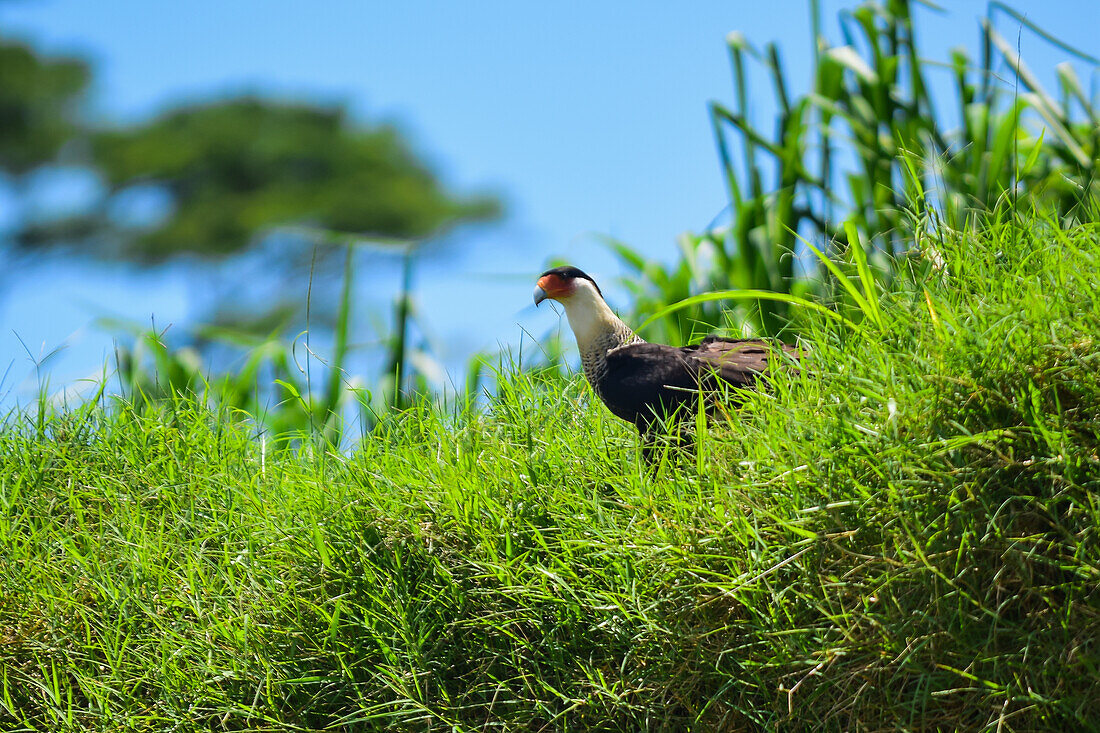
x,y
588,118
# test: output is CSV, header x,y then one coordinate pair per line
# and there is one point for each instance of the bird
x,y
653,386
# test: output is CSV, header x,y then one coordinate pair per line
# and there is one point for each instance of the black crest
x,y
569,272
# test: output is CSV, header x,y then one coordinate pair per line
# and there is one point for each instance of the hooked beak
x,y
544,287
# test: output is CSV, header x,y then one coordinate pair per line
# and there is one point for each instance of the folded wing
x,y
644,380
738,362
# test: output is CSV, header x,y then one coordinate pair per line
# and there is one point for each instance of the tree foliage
x,y
231,169
237,167
39,104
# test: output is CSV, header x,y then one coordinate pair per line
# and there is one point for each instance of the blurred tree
x,y
238,167
232,170
39,105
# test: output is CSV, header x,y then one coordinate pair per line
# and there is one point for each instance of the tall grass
x,y
903,536
842,164
290,386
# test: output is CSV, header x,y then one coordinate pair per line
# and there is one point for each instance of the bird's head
x,y
563,283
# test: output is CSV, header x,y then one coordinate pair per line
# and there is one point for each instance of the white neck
x,y
592,321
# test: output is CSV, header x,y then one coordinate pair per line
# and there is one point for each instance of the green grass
x,y
861,161
902,537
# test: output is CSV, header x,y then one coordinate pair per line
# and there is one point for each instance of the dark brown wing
x,y
643,380
739,362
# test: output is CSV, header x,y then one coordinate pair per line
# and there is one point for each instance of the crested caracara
x,y
642,383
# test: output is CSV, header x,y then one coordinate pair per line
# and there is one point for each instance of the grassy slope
x,y
904,537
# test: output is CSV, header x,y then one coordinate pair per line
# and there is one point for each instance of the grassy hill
x,y
906,536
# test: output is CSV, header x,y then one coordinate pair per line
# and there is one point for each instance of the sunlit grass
x,y
901,536
861,162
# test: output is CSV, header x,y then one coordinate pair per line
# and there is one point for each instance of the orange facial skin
x,y
553,286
